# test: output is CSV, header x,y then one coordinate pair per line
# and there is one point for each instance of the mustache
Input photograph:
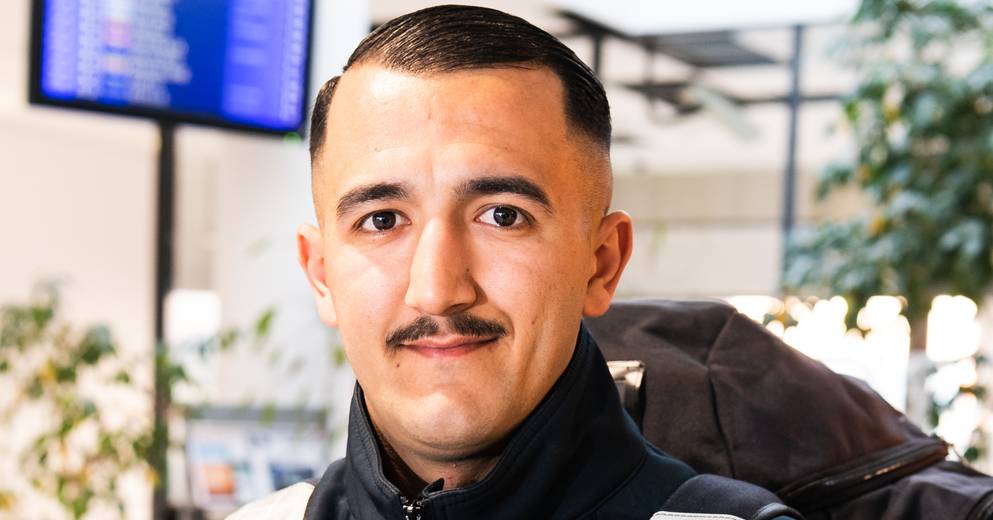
x,y
425,326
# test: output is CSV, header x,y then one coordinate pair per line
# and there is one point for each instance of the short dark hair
x,y
459,37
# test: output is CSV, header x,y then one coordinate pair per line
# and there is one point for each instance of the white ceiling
x,y
641,17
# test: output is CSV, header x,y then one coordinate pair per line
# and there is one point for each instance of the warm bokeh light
x,y
191,315
880,355
956,425
953,333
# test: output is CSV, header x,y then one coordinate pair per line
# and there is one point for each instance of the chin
x,y
455,426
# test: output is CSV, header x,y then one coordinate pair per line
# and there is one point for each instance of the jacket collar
x,y
572,452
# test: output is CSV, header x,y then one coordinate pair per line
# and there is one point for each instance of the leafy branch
x,y
921,118
79,453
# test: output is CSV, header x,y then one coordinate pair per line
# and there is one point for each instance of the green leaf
x,y
228,338
89,408
122,377
65,373
339,356
971,454
268,414
66,425
95,345
34,388
42,315
175,374
833,177
264,323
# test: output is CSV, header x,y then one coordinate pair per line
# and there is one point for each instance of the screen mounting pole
x,y
164,223
793,101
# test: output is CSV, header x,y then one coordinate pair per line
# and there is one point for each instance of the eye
x,y
503,216
382,221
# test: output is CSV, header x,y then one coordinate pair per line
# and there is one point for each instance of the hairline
x,y
573,127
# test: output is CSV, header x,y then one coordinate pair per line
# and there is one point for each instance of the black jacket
x,y
577,455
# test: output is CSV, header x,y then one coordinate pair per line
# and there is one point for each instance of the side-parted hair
x,y
456,37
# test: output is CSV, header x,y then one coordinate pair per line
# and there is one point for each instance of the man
x,y
461,179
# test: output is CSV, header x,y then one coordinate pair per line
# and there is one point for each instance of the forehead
x,y
385,122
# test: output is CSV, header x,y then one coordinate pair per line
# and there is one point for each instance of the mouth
x,y
449,346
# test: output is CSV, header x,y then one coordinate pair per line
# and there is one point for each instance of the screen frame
x,y
37,97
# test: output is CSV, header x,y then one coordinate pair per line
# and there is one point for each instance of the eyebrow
x,y
491,185
372,192
496,185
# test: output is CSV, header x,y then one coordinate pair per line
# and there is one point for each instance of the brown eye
x,y
384,221
381,221
502,216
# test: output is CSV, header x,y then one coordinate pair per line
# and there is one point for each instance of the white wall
x,y
75,205
713,234
76,200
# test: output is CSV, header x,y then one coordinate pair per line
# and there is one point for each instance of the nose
x,y
440,275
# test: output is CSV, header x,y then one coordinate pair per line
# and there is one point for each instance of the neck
x,y
411,472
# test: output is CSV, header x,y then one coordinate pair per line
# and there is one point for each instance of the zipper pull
x,y
412,509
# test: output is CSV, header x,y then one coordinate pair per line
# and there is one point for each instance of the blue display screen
x,y
239,63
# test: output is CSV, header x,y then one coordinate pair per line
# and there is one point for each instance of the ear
x,y
310,252
614,240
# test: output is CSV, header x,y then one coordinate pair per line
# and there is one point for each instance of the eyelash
x,y
528,219
361,222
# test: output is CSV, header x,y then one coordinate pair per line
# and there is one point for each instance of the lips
x,y
449,346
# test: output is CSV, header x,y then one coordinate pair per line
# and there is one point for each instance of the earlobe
x,y
615,239
310,254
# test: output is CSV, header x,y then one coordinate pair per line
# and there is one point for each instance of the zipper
x,y
846,484
412,509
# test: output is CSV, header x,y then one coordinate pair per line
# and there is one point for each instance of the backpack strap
x,y
712,497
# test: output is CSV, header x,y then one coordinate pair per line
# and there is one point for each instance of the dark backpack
x,y
717,390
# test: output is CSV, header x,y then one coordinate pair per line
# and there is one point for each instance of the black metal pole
x,y
793,104
163,283
597,61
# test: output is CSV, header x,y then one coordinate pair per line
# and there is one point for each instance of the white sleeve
x,y
287,503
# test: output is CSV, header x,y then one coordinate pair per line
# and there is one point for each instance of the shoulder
x,y
646,491
715,497
287,503
665,488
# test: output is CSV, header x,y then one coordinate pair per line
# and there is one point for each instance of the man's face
x,y
460,242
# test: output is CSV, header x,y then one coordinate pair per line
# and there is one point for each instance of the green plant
x,y
77,455
56,372
921,116
922,121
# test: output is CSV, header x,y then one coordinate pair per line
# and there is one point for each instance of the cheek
x,y
360,279
367,291
534,273
541,296
540,287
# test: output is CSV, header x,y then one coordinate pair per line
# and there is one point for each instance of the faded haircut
x,y
456,37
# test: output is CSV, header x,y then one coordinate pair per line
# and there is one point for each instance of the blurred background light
x,y
191,315
952,331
